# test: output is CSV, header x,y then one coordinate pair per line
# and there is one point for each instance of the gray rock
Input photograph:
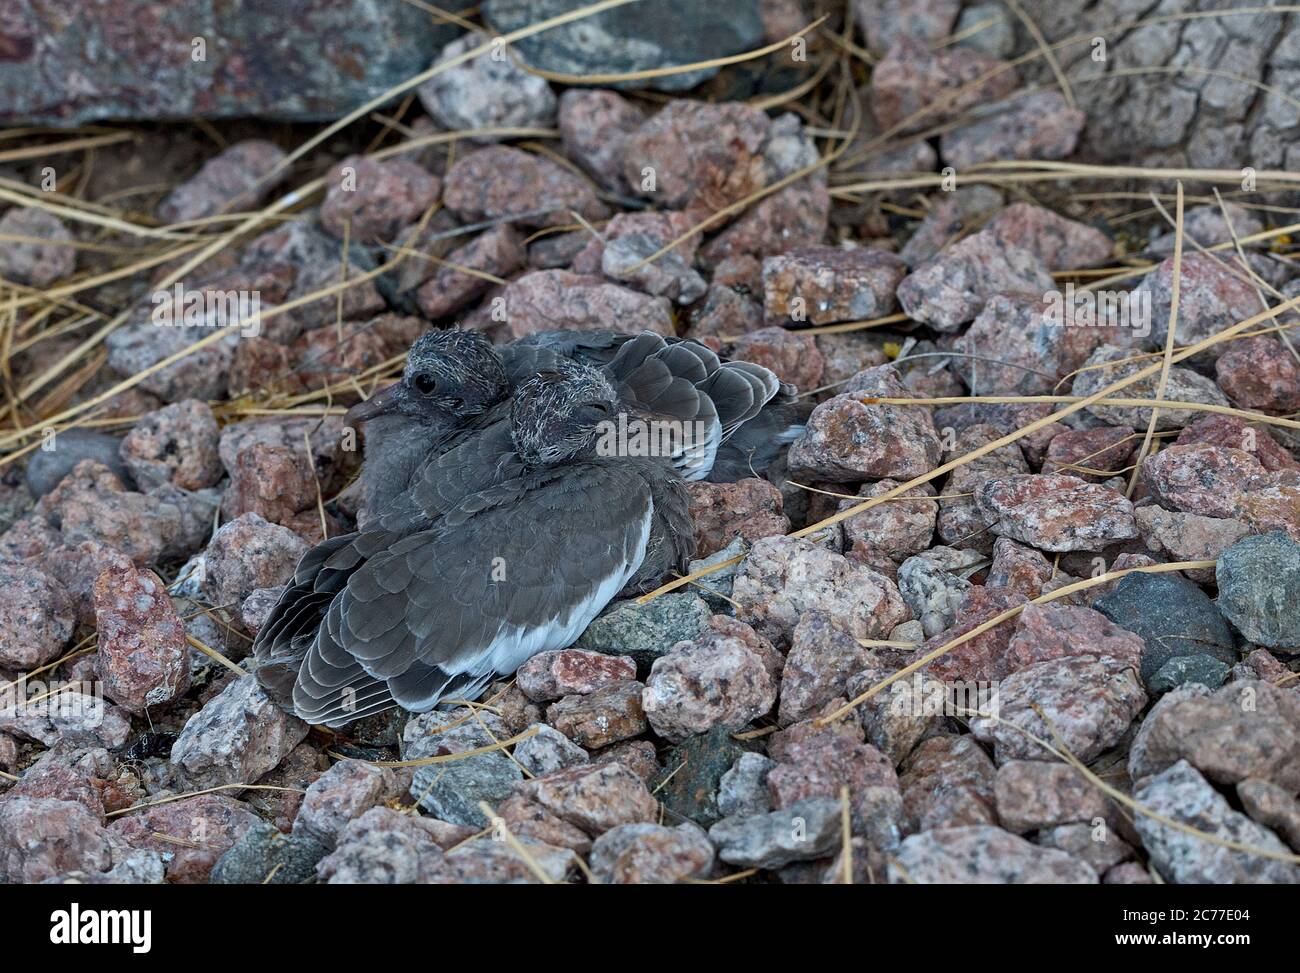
x,y
1259,589
983,855
73,718
634,37
15,500
1181,669
645,632
1181,794
384,847
284,62
130,867
489,91
46,468
1184,385
203,374
996,36
719,581
1173,616
340,795
692,774
238,736
743,789
548,751
264,855
1096,845
801,832
452,791
933,585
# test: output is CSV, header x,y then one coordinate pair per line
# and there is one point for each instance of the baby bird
x,y
732,417
452,381
468,576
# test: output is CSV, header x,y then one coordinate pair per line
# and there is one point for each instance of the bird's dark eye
x,y
425,384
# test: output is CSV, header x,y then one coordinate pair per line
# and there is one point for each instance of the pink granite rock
x,y
177,444
1188,537
1201,479
37,617
1019,568
1231,431
1258,373
822,658
249,553
230,182
143,657
630,240
1248,728
595,124
823,285
42,839
783,577
1034,794
984,856
602,717
567,672
1055,631
716,680
1057,513
749,508
548,299
948,781
369,201
1035,125
651,854
1091,454
700,156
792,356
343,793
1089,702
952,287
895,529
1022,345
190,834
848,438
238,736
1060,243
504,182
498,252
918,88
1210,298
981,658
91,504
593,798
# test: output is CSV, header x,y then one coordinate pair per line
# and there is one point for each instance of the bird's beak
x,y
382,403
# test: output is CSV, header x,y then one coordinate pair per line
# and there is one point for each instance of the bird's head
x,y
557,415
450,375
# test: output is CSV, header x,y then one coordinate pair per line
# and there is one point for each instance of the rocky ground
x,y
917,652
